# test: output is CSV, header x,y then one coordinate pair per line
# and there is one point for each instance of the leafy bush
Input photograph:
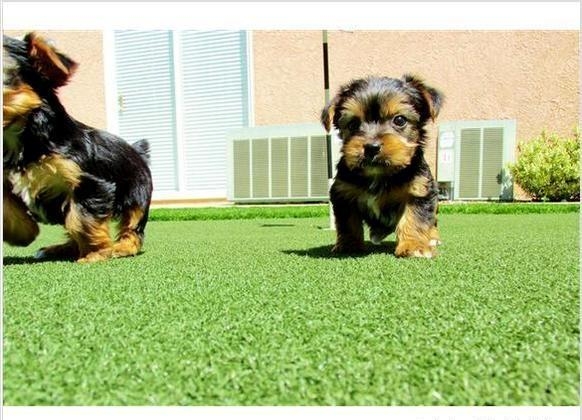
x,y
548,167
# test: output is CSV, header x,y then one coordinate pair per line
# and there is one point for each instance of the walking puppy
x,y
60,171
382,177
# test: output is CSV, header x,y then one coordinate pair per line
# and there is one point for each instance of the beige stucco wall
x,y
530,76
287,76
84,96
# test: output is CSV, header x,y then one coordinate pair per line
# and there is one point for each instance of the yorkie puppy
x,y
382,177
60,171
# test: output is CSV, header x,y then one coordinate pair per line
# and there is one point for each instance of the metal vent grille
x,y
280,172
492,162
473,158
299,167
278,164
242,188
319,182
470,155
481,163
260,168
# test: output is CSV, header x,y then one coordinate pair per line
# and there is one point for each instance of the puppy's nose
x,y
371,149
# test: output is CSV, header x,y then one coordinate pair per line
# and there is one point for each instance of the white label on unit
x,y
447,140
446,156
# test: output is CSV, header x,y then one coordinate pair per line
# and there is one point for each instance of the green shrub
x,y
547,167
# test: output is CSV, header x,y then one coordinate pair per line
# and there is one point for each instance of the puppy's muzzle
x,y
371,150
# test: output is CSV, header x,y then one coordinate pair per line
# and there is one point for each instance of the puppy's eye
x,y
399,121
354,124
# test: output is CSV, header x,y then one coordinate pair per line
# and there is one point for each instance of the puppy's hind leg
x,y
378,233
131,232
66,251
91,235
89,212
89,239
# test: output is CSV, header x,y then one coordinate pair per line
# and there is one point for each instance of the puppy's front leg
x,y
18,226
414,235
349,229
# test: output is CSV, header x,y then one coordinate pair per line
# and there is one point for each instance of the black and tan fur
x,y
60,171
382,178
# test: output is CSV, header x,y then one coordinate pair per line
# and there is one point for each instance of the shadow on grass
x,y
324,252
21,260
32,260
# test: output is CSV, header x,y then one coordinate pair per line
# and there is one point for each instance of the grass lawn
x,y
257,312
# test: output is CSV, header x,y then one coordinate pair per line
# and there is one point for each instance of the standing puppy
x,y
60,171
382,177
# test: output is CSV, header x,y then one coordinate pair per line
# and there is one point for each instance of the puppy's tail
x,y
143,148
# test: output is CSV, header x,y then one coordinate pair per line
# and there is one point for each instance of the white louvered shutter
x,y
145,87
214,94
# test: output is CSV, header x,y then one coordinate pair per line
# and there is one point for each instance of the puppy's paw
x,y
41,254
66,251
435,242
96,256
378,234
435,239
343,248
415,249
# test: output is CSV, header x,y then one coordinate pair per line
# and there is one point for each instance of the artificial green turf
x,y
322,210
258,312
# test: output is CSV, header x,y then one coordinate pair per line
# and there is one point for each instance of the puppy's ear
x,y
327,114
55,67
433,97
